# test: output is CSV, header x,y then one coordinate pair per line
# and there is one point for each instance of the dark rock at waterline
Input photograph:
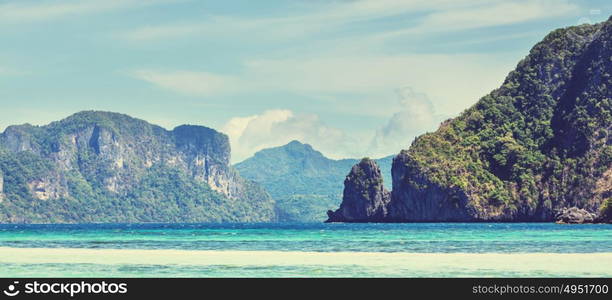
x,y
365,197
575,215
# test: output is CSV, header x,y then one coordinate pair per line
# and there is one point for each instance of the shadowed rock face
x,y
605,215
365,197
417,199
1,187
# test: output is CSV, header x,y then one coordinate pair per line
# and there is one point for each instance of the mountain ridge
x,y
303,181
109,167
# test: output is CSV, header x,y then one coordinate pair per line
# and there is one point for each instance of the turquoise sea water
x,y
258,246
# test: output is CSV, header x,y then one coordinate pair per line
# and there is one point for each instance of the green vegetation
x,y
106,167
304,183
304,208
164,195
539,141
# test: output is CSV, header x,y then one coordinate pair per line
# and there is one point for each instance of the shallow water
x,y
306,250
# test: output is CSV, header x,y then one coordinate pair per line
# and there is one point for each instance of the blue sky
x,y
352,78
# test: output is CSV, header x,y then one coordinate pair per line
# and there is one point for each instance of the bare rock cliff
x,y
365,197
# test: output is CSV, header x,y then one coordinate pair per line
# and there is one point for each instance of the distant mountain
x,y
365,197
538,148
108,167
303,182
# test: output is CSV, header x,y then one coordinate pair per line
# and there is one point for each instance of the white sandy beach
x,y
584,264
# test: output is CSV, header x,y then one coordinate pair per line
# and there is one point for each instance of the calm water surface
x,y
426,238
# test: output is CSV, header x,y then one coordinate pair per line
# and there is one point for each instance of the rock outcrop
x,y
575,215
536,149
365,197
94,157
605,213
302,181
416,198
1,186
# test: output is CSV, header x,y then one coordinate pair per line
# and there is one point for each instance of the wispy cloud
x,y
465,78
355,62
325,19
12,71
433,16
161,32
342,50
502,13
189,82
224,26
4,71
31,11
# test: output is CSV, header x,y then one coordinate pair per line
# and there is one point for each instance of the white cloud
x,y
30,11
274,128
416,117
188,82
278,127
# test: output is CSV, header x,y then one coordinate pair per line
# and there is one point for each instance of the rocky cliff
x,y
538,145
365,196
605,215
1,186
108,167
303,182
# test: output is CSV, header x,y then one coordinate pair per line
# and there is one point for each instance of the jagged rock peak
x,y
365,197
1,186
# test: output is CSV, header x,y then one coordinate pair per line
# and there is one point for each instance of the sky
x,y
353,78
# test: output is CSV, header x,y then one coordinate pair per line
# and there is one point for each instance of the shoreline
x,y
289,223
597,264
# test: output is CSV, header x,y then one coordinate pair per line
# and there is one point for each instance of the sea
x,y
306,250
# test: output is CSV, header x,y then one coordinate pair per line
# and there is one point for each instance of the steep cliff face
x,y
100,157
365,198
419,199
538,145
1,186
605,215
